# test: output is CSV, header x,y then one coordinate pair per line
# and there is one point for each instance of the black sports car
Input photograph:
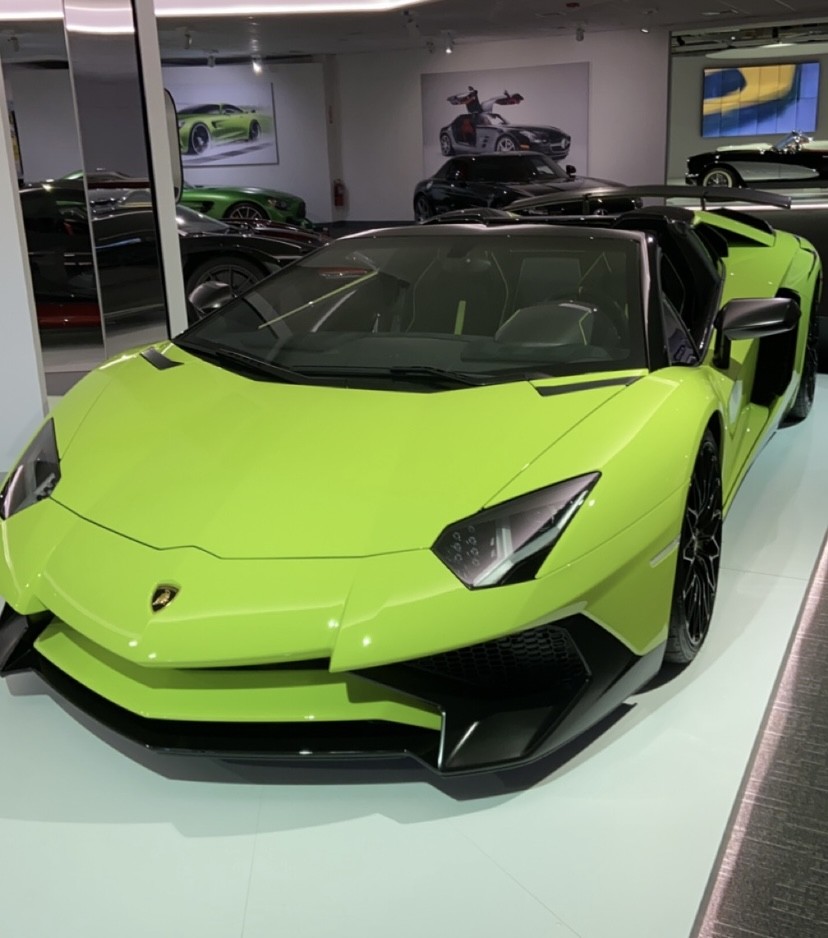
x,y
60,254
795,160
482,130
496,180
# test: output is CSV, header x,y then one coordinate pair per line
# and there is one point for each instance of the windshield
x,y
488,305
794,139
523,168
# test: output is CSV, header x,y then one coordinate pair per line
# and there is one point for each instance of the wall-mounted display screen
x,y
757,99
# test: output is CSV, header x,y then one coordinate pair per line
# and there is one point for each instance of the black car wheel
x,y
422,208
719,176
237,272
506,144
446,147
255,131
697,568
807,383
245,211
199,139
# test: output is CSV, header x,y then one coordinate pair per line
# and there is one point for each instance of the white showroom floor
x,y
616,842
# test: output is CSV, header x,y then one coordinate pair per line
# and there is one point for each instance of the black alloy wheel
x,y
237,272
804,400
422,208
699,553
255,131
199,138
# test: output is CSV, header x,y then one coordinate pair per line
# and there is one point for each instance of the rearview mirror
x,y
753,319
209,296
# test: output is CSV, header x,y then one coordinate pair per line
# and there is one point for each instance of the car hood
x,y
198,456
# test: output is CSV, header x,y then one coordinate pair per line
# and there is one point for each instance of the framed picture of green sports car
x,y
225,123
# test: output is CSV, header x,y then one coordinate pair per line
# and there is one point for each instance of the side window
x,y
680,347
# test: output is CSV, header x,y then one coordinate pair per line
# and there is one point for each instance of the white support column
x,y
163,151
22,384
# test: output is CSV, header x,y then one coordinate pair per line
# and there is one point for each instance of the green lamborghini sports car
x,y
451,491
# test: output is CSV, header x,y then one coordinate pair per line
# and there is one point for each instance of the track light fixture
x,y
449,43
579,33
188,40
256,62
412,27
211,60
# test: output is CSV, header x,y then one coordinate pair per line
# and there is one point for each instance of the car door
x,y
455,189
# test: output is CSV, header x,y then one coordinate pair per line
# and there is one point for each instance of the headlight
x,y
508,543
282,204
35,476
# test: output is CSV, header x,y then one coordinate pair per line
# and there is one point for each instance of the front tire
x,y
506,144
255,131
237,272
804,400
245,211
699,551
199,141
422,208
719,176
446,146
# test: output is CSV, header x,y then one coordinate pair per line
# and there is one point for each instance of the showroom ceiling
x,y
704,25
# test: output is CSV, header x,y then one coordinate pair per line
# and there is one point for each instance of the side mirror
x,y
570,170
753,319
209,296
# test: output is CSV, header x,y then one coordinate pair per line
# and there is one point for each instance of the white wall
x,y
686,84
381,114
46,127
22,389
302,134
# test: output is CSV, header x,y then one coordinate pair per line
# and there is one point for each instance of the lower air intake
x,y
541,658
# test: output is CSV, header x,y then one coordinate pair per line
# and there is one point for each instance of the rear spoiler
x,y
704,194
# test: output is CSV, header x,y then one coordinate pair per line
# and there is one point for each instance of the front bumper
x,y
488,706
692,179
332,657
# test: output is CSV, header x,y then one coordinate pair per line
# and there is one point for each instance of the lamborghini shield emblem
x,y
162,597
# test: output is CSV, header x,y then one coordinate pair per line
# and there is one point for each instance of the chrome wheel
x,y
505,145
719,177
445,145
246,211
699,553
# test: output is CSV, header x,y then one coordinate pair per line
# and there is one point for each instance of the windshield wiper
x,y
248,362
403,372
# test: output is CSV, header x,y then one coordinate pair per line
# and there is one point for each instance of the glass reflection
x,y
57,233
114,191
